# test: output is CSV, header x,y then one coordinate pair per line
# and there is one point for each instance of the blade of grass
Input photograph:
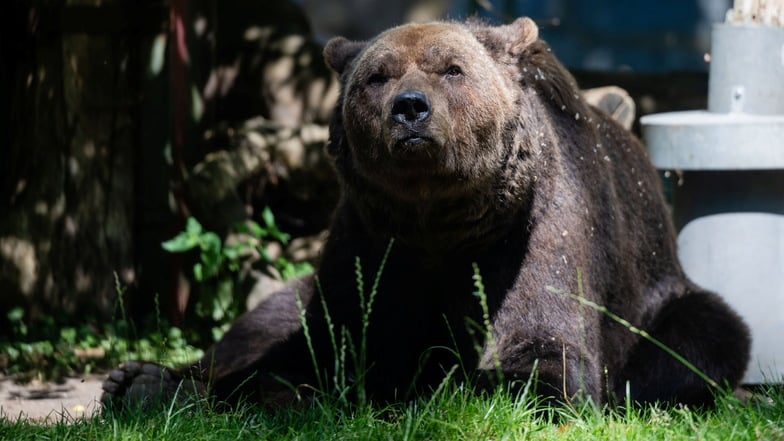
x,y
641,332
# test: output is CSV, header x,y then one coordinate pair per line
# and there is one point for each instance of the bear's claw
x,y
135,383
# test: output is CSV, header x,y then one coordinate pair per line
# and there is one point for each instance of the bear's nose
x,y
410,106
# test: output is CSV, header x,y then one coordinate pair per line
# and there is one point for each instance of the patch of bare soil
x,y
48,402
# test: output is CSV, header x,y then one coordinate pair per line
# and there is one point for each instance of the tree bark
x,y
68,192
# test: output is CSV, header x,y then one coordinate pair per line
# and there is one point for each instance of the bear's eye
x,y
453,71
377,79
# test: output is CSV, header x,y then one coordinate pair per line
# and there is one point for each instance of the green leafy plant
x,y
47,350
51,348
221,261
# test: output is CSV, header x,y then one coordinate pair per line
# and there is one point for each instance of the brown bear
x,y
470,163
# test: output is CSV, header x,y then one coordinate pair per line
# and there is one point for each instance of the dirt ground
x,y
49,402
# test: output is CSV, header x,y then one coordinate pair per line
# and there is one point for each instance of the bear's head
x,y
442,114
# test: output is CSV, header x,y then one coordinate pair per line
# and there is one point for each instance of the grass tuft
x,y
451,413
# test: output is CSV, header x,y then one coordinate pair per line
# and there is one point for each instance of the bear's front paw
x,y
139,383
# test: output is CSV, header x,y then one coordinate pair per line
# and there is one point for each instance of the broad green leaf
x,y
12,352
198,273
193,226
257,230
68,334
181,242
268,217
272,229
16,314
231,253
210,241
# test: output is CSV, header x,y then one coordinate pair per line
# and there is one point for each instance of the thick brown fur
x,y
498,162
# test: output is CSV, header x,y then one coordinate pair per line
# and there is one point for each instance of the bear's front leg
x,y
554,343
232,367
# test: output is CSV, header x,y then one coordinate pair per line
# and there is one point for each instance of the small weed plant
x,y
347,380
51,350
219,264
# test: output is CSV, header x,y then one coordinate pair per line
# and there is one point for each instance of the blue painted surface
x,y
637,35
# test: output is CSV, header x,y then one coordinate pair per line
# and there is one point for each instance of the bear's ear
x,y
522,32
510,39
339,52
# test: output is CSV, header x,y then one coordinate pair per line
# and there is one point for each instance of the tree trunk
x,y
68,180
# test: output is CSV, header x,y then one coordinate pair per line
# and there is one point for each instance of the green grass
x,y
451,414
